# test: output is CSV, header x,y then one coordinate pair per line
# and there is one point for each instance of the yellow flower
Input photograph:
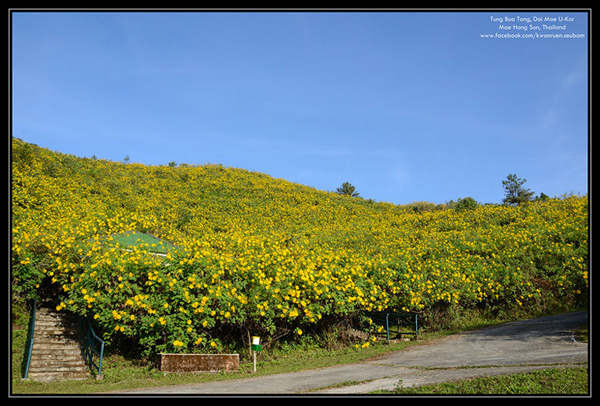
x,y
294,279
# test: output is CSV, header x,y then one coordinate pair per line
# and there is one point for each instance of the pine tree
x,y
347,190
515,192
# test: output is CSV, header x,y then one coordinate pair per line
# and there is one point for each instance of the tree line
x,y
514,194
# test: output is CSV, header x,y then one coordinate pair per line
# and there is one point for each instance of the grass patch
x,y
554,381
137,239
582,333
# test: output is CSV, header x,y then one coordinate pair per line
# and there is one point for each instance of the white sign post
x,y
255,347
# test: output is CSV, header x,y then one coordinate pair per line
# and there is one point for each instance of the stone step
x,y
53,316
50,324
57,361
56,338
57,352
52,352
57,376
62,366
45,326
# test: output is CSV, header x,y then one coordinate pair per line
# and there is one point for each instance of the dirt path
x,y
511,347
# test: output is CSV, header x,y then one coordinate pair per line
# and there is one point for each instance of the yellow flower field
x,y
263,255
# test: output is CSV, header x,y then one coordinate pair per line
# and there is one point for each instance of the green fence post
x,y
387,327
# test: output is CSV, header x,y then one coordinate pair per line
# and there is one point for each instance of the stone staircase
x,y
57,352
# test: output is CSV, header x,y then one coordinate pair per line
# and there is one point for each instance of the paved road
x,y
512,347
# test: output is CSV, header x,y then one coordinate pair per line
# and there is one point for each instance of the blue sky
x,y
406,106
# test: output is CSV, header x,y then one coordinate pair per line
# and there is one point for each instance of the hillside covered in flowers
x,y
248,253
